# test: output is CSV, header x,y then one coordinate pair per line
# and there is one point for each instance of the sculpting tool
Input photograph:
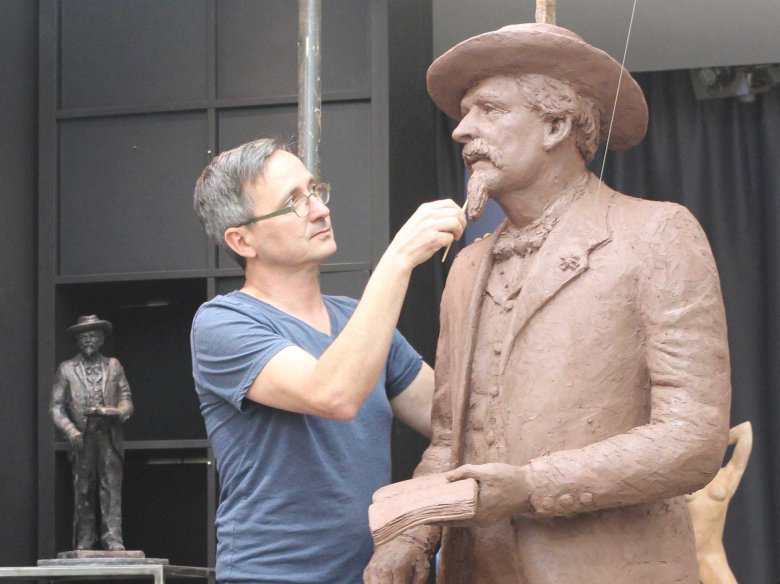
x,y
446,251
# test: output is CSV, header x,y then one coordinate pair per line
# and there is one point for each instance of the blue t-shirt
x,y
294,488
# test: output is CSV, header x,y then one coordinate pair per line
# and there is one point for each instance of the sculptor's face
x,y
503,142
289,240
89,342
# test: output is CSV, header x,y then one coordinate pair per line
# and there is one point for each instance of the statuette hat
x,y
546,49
90,322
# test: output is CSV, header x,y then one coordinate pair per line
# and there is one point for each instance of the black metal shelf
x,y
190,274
219,104
195,444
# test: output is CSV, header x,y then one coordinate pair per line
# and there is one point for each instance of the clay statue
x,y
708,508
89,402
582,370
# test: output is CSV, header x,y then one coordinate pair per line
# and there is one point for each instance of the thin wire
x,y
617,93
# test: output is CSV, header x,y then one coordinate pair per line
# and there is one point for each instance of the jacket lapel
x,y
562,258
81,373
108,400
469,328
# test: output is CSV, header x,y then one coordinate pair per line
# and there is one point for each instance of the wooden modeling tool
x,y
446,251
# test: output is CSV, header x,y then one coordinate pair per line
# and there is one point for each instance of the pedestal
x,y
77,568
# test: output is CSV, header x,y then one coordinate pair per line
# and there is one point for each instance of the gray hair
x,y
554,99
220,201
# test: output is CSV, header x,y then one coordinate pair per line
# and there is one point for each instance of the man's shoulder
x,y
224,308
343,301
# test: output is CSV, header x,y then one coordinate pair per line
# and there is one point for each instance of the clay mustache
x,y
479,149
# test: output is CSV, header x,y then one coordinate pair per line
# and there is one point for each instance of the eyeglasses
x,y
298,205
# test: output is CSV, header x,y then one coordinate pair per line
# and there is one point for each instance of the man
x,y
582,373
297,388
90,400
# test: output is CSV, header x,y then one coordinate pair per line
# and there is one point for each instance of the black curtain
x,y
721,159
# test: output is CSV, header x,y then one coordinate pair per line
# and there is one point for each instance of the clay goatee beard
x,y
477,196
477,191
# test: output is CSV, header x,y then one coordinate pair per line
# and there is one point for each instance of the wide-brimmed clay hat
x,y
86,323
538,48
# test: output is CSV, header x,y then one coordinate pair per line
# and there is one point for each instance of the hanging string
x,y
617,94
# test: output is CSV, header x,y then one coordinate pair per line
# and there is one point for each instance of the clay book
x,y
427,499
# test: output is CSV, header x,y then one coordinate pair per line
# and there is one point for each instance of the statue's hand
x,y
109,412
503,490
76,439
400,561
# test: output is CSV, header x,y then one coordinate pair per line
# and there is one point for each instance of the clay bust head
x,y
568,85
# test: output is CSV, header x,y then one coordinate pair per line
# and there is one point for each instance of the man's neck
x,y
296,292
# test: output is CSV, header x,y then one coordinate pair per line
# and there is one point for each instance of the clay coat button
x,y
586,498
497,347
490,437
569,263
566,500
548,503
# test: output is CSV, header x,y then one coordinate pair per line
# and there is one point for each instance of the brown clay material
x,y
425,499
582,371
542,48
708,508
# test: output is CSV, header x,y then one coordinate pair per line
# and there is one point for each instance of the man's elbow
x,y
343,412
337,407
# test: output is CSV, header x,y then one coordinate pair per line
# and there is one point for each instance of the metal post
x,y
309,90
545,11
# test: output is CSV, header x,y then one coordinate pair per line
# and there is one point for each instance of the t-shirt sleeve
x,y
229,349
403,365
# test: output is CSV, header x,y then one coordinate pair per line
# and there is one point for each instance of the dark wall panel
x,y
126,187
344,283
133,52
242,125
18,205
258,56
334,283
346,164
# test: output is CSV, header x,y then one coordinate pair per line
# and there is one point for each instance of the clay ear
x,y
235,239
556,131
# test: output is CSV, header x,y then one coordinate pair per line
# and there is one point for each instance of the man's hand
x,y
433,226
76,439
503,490
401,561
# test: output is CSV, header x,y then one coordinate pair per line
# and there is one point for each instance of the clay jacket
x,y
70,397
615,390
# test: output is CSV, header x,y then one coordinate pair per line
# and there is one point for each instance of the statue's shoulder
x,y
473,253
69,364
468,259
112,362
642,215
